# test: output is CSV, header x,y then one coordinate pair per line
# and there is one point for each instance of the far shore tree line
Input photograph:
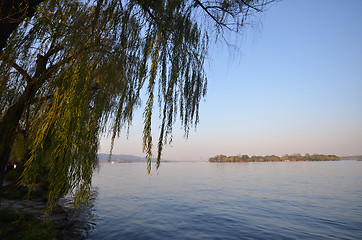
x,y
286,158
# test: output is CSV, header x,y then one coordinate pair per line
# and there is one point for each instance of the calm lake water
x,y
284,200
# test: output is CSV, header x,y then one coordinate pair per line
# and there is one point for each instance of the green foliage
x,y
19,149
19,192
76,69
8,215
25,226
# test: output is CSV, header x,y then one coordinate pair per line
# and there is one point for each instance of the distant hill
x,y
122,158
356,157
103,157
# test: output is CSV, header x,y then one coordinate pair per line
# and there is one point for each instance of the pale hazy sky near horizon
x,y
295,87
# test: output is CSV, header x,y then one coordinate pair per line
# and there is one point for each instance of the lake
x,y
185,200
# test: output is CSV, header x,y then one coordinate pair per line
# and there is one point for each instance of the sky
x,y
295,86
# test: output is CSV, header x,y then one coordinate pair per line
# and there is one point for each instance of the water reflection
x,y
81,221
226,201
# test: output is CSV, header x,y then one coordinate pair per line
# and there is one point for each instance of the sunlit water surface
x,y
284,200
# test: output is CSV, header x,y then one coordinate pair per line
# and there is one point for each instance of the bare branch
x,y
222,9
250,6
54,67
212,16
21,70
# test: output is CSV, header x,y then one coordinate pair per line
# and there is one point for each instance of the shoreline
x,y
280,161
60,217
273,158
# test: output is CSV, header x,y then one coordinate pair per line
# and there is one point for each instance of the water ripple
x,y
229,201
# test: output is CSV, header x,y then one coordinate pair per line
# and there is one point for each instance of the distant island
x,y
286,158
353,157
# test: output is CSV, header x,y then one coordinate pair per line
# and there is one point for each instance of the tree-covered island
x,y
273,158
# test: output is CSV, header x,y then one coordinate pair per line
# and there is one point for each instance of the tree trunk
x,y
4,161
8,128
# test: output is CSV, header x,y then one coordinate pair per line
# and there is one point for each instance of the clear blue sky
x,y
295,87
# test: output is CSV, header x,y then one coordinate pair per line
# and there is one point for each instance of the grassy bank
x,y
22,215
23,225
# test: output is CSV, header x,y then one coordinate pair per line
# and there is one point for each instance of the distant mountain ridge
x,y
103,157
123,158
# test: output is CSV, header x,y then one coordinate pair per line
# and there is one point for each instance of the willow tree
x,y
74,68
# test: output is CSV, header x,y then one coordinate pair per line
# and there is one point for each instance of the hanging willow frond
x,y
74,68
